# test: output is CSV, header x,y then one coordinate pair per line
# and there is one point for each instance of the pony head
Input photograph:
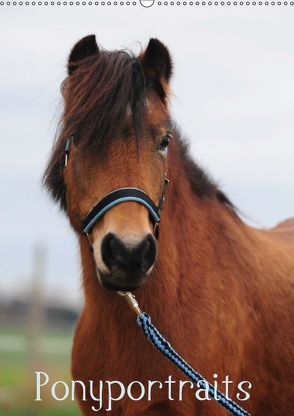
x,y
117,122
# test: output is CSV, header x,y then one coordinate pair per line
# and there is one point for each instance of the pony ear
x,y
156,61
85,47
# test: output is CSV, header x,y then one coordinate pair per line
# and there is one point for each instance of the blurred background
x,y
232,97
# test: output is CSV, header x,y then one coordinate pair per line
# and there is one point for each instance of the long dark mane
x,y
103,89
201,182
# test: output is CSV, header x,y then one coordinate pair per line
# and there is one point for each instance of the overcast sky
x,y
233,96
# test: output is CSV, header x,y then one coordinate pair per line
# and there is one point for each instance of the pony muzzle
x,y
128,264
123,261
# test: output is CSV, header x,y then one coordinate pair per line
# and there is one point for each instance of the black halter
x,y
117,197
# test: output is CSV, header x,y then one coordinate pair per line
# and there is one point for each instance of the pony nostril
x,y
117,254
107,250
148,256
112,250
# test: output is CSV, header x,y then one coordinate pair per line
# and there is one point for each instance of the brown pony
x,y
218,289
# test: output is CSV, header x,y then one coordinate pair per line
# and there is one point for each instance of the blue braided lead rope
x,y
154,336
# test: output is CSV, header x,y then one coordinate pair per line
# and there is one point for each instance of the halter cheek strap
x,y
117,197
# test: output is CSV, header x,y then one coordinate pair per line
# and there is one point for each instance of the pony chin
x,y
121,281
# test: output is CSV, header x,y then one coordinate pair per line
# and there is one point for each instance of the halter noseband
x,y
117,197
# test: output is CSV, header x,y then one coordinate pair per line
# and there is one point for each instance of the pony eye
x,y
165,141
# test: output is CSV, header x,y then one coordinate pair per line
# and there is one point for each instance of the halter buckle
x,y
90,241
66,151
156,230
166,180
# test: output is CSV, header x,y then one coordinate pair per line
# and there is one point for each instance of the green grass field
x,y
17,378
